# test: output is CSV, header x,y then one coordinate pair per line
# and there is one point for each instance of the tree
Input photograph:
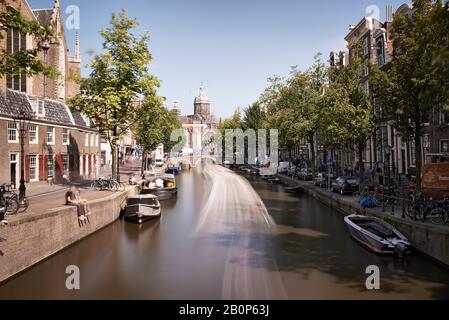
x,y
154,126
417,79
119,77
348,116
24,61
253,117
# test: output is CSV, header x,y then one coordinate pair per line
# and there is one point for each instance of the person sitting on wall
x,y
82,201
70,198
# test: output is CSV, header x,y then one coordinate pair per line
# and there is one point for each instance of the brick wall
x,y
37,237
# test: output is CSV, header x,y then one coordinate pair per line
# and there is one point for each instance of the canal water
x,y
233,237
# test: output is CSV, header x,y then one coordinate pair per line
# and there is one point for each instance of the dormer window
x,y
380,51
38,106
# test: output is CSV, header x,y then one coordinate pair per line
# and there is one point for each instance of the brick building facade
x,y
59,142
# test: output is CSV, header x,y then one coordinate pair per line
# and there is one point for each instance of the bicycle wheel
x,y
96,185
357,196
24,205
12,206
439,216
410,211
121,186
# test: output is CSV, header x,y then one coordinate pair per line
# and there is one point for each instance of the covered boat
x,y
297,189
377,235
173,170
142,208
162,185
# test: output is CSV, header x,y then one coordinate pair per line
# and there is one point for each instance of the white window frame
x,y
441,145
53,141
36,131
92,142
366,46
86,139
12,126
35,167
97,140
65,136
66,167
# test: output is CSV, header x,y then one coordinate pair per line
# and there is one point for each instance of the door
x,y
14,158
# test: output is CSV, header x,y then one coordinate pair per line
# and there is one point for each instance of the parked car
x,y
283,167
322,179
345,185
305,174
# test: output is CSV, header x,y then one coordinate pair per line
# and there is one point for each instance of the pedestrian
x,y
70,198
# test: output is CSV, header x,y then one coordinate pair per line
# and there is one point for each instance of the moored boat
x,y
173,170
162,185
142,208
377,235
294,190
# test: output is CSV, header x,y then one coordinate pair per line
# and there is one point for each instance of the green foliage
x,y
119,77
416,83
25,60
155,125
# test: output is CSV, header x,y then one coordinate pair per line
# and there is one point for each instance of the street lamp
x,y
45,47
22,121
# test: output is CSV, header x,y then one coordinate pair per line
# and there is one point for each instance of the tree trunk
x,y
144,162
114,161
360,149
418,158
312,149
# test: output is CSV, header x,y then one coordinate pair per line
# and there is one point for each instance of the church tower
x,y
202,104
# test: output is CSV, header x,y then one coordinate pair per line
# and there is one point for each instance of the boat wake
x,y
235,214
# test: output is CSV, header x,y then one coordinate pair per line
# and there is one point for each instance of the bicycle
x,y
11,204
440,215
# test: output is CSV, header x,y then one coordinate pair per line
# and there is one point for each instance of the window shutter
x,y
27,168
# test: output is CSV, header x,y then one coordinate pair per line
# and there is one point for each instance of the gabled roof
x,y
56,112
43,16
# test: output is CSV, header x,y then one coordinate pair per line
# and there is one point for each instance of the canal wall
x,y
431,240
36,237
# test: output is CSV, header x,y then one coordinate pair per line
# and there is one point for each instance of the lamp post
x,y
22,121
387,162
45,47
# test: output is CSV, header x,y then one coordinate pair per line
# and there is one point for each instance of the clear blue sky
x,y
231,46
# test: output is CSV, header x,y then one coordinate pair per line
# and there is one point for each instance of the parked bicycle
x,y
10,203
109,184
440,214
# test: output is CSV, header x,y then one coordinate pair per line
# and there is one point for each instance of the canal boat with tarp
x,y
142,208
162,185
377,235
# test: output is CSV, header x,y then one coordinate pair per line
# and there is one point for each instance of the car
x,y
322,179
345,185
159,162
305,174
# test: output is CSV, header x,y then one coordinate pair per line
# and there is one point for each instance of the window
x,y
365,68
86,140
92,137
65,137
444,146
65,163
380,51
366,87
444,118
13,135
50,166
33,168
366,46
38,107
97,138
15,42
50,135
33,134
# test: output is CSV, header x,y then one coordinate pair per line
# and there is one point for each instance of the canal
x,y
219,240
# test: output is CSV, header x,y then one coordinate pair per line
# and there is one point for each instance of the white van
x,y
159,162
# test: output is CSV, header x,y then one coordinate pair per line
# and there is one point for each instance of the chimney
x,y
77,47
389,13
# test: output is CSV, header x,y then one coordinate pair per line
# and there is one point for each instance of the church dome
x,y
202,97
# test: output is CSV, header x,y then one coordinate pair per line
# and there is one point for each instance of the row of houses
x,y
59,143
388,155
